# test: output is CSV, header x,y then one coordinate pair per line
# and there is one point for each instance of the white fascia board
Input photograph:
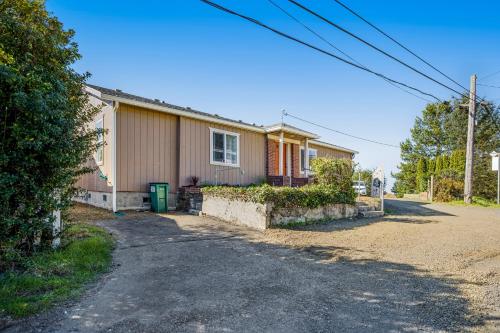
x,y
186,114
292,131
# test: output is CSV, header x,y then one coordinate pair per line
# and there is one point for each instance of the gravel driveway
x,y
426,267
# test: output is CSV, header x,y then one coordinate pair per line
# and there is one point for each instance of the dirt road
x,y
458,243
425,268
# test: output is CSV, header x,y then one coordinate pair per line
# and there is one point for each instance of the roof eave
x,y
285,129
328,145
186,114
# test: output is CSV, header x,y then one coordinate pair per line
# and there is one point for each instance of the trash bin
x,y
158,193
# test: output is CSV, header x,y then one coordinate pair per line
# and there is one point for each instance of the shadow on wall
x,y
222,277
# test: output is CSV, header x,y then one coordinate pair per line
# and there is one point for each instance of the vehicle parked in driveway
x,y
359,187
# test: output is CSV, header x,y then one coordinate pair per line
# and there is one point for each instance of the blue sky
x,y
189,54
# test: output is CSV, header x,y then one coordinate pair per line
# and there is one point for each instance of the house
x,y
148,140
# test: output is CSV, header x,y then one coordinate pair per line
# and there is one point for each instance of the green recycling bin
x,y
158,193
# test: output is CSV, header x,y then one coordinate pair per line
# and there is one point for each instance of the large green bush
x,y
448,189
333,172
310,196
44,117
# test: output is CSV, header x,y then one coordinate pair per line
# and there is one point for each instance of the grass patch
x,y
53,276
476,201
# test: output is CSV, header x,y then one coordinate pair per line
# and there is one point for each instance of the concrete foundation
x,y
97,199
124,200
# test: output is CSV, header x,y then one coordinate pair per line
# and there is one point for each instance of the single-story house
x,y
148,140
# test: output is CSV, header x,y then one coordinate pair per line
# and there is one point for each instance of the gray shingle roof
x,y
121,94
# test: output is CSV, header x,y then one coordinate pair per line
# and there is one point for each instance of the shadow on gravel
x,y
173,279
407,207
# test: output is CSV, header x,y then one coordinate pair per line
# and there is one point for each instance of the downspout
x,y
113,152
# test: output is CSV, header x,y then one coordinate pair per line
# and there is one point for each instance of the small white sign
x,y
495,157
153,189
377,182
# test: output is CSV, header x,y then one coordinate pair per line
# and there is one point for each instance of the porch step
x,y
371,213
364,208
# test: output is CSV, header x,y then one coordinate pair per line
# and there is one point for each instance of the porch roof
x,y
292,131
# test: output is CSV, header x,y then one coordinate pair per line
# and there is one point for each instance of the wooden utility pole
x,y
469,158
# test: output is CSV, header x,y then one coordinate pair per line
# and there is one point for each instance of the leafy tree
x,y
440,135
44,112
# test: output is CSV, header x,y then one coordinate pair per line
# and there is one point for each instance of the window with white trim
x,y
313,153
99,154
224,148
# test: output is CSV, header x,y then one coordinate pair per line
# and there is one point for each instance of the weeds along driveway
x,y
191,274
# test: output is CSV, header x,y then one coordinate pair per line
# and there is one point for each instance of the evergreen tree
x,y
439,166
442,131
422,175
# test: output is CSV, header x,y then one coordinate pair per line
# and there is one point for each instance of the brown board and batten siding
x,y
146,149
194,154
331,152
101,179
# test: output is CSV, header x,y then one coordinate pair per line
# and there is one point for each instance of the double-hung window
x,y
224,148
99,155
313,153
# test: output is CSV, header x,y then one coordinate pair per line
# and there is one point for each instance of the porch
x,y
288,156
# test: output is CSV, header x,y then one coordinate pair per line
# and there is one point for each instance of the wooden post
x,y
469,157
432,188
306,157
280,149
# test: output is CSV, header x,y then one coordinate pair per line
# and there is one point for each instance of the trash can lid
x,y
158,183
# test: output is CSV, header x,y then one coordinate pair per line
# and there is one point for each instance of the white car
x,y
359,187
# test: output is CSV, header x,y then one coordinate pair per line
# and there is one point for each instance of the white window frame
x,y
301,159
100,142
219,131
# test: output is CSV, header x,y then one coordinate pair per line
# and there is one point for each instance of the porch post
x,y
306,157
280,148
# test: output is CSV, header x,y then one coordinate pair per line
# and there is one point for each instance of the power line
x,y
282,34
490,75
398,43
372,46
488,85
336,48
340,132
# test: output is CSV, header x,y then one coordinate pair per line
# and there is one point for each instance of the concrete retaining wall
x,y
284,216
251,214
263,216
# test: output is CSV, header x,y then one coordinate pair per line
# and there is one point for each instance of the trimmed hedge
x,y
311,196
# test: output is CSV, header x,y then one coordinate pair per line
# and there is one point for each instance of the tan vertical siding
x,y
147,142
194,160
94,181
330,152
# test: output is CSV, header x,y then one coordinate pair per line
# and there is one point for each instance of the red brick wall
x,y
272,155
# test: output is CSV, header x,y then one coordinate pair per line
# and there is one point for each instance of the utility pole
x,y
469,157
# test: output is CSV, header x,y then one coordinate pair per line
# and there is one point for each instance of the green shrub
x,y
448,189
310,196
44,119
333,172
